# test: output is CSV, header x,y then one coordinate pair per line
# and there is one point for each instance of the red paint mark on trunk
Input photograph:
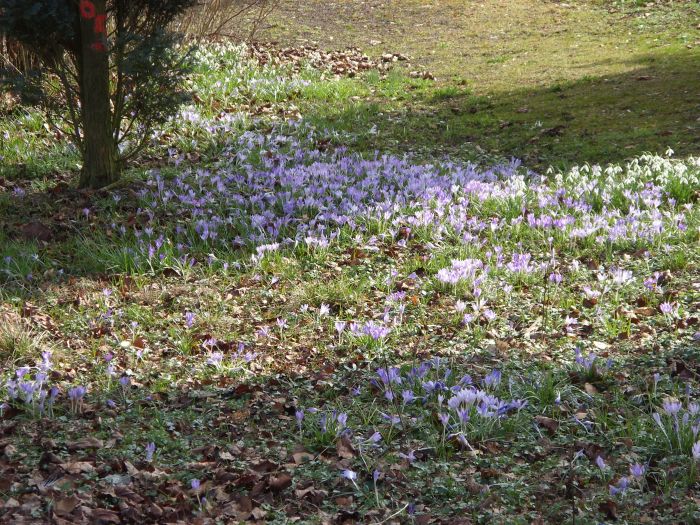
x,y
87,9
101,23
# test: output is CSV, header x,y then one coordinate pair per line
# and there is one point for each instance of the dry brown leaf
x,y
86,442
77,467
645,311
590,389
609,508
280,482
104,517
226,456
302,457
36,231
344,448
548,423
64,506
344,501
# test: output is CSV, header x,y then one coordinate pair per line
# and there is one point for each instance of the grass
x,y
547,83
284,377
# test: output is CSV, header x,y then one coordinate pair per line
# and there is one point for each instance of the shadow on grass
x,y
596,120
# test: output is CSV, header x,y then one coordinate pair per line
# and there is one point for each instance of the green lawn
x,y
547,82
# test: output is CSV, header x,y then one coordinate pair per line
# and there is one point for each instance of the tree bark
x,y
100,156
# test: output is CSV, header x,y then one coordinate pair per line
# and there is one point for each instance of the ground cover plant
x,y
271,321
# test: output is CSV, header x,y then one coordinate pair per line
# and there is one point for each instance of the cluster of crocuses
x,y
30,388
235,360
324,426
464,407
276,189
467,410
679,424
589,365
637,473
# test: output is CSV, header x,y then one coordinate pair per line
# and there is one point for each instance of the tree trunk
x,y
100,158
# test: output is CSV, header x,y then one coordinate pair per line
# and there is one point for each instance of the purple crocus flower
x,y
375,331
389,376
394,420
215,359
493,379
555,278
375,438
600,462
696,451
408,396
489,315
76,393
46,360
672,407
637,470
410,457
349,474
668,309
621,487
150,449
